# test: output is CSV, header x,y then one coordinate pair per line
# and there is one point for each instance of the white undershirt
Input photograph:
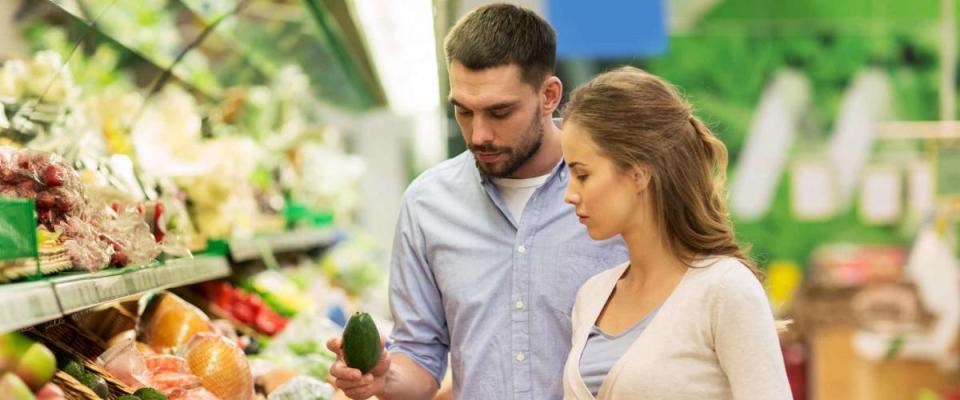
x,y
517,192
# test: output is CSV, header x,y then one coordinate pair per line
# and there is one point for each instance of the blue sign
x,y
608,29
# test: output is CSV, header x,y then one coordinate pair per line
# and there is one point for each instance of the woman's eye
x,y
582,178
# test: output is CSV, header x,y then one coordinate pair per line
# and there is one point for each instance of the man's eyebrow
x,y
501,106
494,107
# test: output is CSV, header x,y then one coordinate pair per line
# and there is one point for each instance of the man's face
x,y
499,115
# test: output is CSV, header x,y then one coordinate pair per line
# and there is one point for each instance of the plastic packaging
x,y
125,363
95,233
169,322
83,244
302,387
221,365
130,237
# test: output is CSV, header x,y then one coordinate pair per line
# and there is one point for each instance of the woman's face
x,y
607,200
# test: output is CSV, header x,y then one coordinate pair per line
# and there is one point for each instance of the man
x,y
488,259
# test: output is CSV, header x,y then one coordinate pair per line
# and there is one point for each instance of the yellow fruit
x,y
221,365
173,323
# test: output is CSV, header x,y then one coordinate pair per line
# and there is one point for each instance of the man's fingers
x,y
340,370
350,384
361,393
334,345
382,366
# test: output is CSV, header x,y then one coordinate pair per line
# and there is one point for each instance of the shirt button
x,y
519,304
522,249
521,357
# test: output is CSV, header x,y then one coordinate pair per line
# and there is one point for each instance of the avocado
x,y
96,383
361,343
75,370
149,394
128,397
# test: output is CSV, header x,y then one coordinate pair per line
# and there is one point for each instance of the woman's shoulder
x,y
723,273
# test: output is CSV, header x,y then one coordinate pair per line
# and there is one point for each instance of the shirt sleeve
x,y
746,340
420,327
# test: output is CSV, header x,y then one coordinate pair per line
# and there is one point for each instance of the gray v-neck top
x,y
602,351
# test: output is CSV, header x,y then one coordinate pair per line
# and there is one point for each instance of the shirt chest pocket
x,y
468,277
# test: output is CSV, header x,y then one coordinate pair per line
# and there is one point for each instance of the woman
x,y
686,317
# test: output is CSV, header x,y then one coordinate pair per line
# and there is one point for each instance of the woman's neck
x,y
651,259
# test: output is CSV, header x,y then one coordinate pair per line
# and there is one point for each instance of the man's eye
x,y
500,115
582,178
464,112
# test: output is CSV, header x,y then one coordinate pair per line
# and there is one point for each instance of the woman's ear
x,y
641,175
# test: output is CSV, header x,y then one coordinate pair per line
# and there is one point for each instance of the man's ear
x,y
551,92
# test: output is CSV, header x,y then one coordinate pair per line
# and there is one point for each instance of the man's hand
x,y
351,381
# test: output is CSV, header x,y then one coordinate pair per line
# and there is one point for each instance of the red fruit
x,y
23,162
120,259
27,186
243,312
256,302
53,175
269,322
161,230
46,200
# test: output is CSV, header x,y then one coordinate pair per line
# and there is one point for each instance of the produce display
x,y
245,307
95,235
132,182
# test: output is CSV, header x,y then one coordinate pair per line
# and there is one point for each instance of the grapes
x,y
46,200
53,175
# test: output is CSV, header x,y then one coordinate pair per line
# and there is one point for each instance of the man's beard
x,y
516,157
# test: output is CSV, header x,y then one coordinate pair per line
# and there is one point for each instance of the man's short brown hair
x,y
503,34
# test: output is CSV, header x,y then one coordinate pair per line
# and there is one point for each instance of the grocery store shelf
x,y
88,290
301,240
31,303
26,304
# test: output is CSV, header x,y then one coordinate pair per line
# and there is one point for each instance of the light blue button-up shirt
x,y
494,293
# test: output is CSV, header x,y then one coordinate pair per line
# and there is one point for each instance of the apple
x,y
12,348
12,388
36,366
50,391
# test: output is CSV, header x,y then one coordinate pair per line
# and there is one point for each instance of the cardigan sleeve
x,y
745,338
